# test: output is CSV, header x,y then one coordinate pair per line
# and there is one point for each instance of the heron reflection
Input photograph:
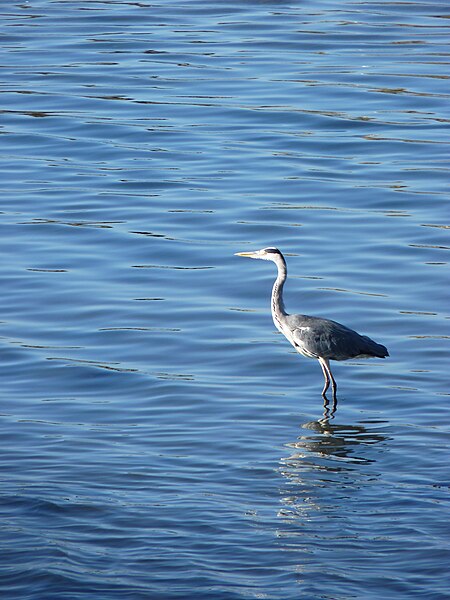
x,y
337,443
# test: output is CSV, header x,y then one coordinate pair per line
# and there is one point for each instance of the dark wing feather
x,y
329,339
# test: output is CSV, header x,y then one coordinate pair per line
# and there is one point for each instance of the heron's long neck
x,y
277,306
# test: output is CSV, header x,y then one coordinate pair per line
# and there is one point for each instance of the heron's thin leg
x,y
333,380
323,364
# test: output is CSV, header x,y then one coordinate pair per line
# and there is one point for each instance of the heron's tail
x,y
375,349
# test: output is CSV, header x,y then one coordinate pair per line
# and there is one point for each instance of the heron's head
x,y
264,254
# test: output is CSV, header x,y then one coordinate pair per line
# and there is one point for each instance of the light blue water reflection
x,y
160,440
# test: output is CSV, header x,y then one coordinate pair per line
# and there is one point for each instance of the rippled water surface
x,y
159,439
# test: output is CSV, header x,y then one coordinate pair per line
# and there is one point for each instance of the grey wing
x,y
316,337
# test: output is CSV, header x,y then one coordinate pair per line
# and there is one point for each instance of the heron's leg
x,y
323,364
333,380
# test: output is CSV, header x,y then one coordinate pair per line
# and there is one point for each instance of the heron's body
x,y
315,337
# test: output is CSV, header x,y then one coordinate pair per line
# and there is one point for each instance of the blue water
x,y
160,439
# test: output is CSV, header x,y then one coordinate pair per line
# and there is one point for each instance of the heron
x,y
315,337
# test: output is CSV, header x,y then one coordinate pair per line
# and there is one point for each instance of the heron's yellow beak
x,y
247,254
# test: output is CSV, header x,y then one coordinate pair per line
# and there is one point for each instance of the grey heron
x,y
315,337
